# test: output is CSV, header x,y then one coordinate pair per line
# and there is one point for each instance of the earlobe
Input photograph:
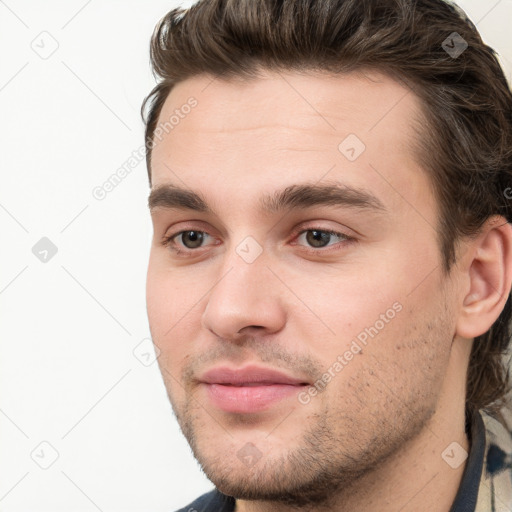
x,y
490,278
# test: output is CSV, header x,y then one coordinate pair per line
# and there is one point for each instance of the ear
x,y
488,270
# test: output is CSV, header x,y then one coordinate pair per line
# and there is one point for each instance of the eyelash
x,y
168,241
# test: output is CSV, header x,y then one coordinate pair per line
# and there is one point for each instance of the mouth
x,y
252,384
251,397
250,389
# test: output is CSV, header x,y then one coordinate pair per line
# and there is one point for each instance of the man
x,y
329,281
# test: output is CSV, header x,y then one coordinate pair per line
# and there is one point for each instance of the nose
x,y
244,301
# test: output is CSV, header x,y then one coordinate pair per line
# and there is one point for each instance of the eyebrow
x,y
295,196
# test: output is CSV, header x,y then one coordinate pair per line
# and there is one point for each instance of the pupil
x,y
192,239
318,238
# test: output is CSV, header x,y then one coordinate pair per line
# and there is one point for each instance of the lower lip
x,y
245,399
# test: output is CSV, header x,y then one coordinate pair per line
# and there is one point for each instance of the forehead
x,y
288,127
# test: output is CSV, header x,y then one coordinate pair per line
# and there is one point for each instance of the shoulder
x,y
213,501
496,484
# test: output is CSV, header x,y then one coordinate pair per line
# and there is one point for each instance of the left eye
x,y
318,238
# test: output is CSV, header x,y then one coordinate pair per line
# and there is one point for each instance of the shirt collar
x,y
495,490
467,495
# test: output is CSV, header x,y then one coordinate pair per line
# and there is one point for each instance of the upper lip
x,y
248,375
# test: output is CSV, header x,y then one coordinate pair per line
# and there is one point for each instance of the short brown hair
x,y
466,140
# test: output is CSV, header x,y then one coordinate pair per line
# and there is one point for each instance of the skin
x,y
373,439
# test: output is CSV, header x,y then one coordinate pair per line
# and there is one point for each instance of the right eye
x,y
186,240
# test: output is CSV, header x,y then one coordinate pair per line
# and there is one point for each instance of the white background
x,y
69,377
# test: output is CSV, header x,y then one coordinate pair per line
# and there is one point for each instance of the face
x,y
305,246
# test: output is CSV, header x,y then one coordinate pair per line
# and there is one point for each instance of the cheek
x,y
347,301
169,295
160,302
373,313
165,309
